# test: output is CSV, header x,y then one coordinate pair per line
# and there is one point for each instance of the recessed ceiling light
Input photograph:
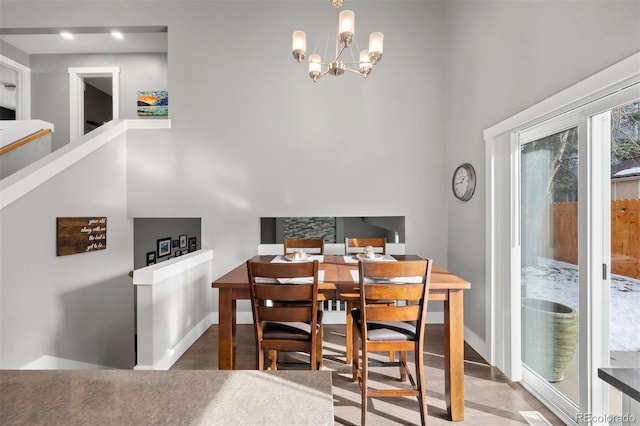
x,y
66,35
117,34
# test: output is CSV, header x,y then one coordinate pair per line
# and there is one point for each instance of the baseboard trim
x,y
173,354
48,362
478,344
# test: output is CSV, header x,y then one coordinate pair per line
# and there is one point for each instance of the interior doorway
x,y
15,90
84,110
8,93
98,102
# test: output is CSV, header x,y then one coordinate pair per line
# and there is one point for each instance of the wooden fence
x,y
625,235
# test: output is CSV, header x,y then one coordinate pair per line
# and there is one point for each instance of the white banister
x,y
13,130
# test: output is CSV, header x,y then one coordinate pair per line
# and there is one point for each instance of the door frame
x,y
23,87
76,95
502,198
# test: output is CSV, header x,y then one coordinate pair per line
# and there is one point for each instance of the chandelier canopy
x,y
345,30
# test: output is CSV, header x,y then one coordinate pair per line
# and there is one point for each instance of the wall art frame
x,y
164,247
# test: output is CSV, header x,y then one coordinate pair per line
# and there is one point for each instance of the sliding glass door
x,y
622,184
549,257
579,217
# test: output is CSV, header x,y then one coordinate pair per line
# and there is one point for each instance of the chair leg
x,y
273,360
403,362
422,391
348,335
319,341
363,384
313,353
259,358
355,364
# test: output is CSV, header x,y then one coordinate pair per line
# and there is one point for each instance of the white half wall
x,y
174,307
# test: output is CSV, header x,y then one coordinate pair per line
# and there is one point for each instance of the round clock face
x,y
464,182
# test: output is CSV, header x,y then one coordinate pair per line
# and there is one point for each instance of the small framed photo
x,y
192,244
175,243
151,258
178,253
183,241
164,246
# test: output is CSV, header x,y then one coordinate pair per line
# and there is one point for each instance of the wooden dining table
x,y
336,283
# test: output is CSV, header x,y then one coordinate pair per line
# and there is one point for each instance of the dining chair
x,y
357,245
284,302
310,245
382,327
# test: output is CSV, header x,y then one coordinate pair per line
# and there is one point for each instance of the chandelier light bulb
x,y
376,41
346,24
299,48
365,63
315,66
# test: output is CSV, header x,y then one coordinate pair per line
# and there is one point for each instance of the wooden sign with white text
x,y
80,234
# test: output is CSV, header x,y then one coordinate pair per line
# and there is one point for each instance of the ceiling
x,y
35,41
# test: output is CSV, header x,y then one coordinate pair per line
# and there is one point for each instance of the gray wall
x,y
231,157
246,118
79,306
14,53
502,57
50,84
147,231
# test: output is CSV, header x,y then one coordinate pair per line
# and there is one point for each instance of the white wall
x,y
80,306
503,56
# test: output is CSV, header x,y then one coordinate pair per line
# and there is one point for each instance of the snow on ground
x,y
558,281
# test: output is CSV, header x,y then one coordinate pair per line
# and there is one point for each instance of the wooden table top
x,y
338,272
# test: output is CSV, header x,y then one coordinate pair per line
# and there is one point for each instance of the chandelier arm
x,y
353,71
340,53
323,63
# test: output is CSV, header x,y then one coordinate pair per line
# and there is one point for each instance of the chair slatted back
x,y
311,245
357,245
387,281
286,302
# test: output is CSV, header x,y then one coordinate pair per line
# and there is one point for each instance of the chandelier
x,y
345,31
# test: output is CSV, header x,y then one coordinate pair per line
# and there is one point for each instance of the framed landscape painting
x,y
153,103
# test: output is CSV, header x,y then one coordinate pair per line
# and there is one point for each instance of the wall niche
x,y
184,235
333,229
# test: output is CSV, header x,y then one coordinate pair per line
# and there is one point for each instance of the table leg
x,y
454,355
226,329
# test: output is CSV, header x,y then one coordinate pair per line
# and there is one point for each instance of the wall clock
x,y
464,182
